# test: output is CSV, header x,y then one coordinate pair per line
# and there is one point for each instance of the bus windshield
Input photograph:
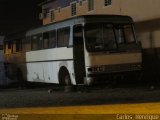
x,y
107,37
124,33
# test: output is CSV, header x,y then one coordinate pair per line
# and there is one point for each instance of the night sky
x,y
17,15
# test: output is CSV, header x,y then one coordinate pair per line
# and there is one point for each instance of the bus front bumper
x,y
100,78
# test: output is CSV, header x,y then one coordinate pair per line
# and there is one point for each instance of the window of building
x,y
73,9
107,2
90,5
80,2
59,9
63,36
52,15
46,12
36,42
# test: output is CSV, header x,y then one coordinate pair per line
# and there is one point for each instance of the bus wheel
x,y
64,77
20,78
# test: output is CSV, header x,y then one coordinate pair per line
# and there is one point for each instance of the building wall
x,y
148,32
65,10
140,10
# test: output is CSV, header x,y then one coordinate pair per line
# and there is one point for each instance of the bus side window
x,y
27,44
45,40
63,36
40,42
52,39
36,42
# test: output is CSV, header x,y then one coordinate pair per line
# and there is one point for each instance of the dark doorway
x,y
78,51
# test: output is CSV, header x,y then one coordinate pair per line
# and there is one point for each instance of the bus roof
x,y
82,20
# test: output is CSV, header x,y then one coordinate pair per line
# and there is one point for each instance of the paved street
x,y
40,97
127,100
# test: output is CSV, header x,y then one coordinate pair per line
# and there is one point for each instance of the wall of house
x,y
140,10
65,10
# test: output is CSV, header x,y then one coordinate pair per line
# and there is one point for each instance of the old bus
x,y
79,50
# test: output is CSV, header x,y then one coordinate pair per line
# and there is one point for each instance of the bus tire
x,y
20,78
64,77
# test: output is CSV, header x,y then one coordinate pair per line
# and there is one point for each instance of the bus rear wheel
x,y
64,77
20,78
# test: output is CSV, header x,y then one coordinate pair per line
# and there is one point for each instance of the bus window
x,y
46,40
63,36
36,42
27,44
100,37
52,39
124,34
49,39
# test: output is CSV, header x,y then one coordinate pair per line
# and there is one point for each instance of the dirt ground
x,y
54,95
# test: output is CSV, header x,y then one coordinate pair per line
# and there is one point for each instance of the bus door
x,y
78,52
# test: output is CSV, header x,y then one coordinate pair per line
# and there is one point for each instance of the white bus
x,y
80,50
